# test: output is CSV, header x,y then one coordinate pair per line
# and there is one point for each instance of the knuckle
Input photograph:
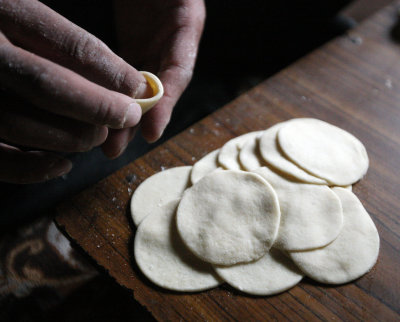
x,y
121,81
109,115
83,46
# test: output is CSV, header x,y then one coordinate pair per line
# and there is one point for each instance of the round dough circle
x,y
158,189
229,217
270,152
163,258
228,156
271,274
204,166
249,155
324,150
352,254
311,215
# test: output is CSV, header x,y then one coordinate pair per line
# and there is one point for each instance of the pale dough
x,y
158,91
204,166
271,274
311,215
158,189
163,258
229,217
270,152
228,156
324,150
249,155
352,254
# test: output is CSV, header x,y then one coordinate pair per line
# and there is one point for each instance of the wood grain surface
x,y
353,82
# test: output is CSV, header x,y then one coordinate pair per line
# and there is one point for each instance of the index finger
x,y
38,29
175,71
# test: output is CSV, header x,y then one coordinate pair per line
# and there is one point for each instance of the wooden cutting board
x,y
353,82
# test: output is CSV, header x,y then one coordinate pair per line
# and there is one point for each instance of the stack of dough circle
x,y
249,156
324,150
228,156
270,152
229,217
259,230
157,190
162,257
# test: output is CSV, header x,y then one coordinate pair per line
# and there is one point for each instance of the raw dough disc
x,y
158,189
352,254
324,150
270,152
311,215
229,154
249,155
229,217
204,166
163,258
271,274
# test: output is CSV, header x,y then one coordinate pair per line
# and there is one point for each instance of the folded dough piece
x,y
163,258
352,254
158,91
157,190
229,217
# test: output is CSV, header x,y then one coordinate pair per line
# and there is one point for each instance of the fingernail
x,y
132,116
59,168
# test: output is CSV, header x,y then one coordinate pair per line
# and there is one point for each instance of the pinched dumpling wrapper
x,y
204,166
158,91
270,152
164,259
271,274
352,254
324,150
157,190
311,215
228,156
229,217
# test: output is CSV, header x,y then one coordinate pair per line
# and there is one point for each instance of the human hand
x,y
161,37
62,90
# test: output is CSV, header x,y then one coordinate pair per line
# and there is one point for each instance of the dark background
x,y
244,42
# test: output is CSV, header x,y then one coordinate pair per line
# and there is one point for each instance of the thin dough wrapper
x,y
157,190
324,150
163,258
270,152
271,274
204,166
311,215
249,156
229,217
229,154
351,255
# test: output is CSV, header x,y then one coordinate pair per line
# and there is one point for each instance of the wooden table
x,y
353,82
